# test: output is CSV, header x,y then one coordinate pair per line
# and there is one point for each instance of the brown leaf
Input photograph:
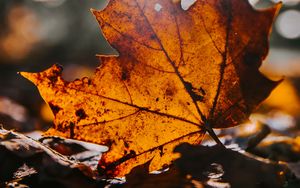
x,y
225,166
279,148
51,167
139,177
178,73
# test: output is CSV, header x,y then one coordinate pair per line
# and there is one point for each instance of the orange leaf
x,y
178,73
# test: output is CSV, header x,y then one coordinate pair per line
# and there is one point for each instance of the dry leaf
x,y
48,167
177,72
139,177
225,166
279,148
221,169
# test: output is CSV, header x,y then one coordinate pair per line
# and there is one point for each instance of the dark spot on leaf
x,y
169,92
53,79
161,153
81,114
202,91
108,142
126,144
72,126
197,94
55,109
125,74
198,97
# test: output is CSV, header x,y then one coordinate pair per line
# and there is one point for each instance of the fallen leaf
x,y
279,148
224,166
178,74
84,152
139,177
50,167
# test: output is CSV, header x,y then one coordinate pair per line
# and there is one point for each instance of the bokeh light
x,y
287,2
186,4
253,2
22,33
51,3
288,24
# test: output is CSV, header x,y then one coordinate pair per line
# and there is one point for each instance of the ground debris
x,y
52,169
203,166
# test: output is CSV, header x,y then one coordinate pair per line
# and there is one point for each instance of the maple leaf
x,y
178,74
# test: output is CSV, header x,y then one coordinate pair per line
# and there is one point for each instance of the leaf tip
x,y
274,10
29,76
50,73
93,11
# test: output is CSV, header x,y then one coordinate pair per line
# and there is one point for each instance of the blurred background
x,y
35,34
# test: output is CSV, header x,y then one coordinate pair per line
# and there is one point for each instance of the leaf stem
x,y
212,134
